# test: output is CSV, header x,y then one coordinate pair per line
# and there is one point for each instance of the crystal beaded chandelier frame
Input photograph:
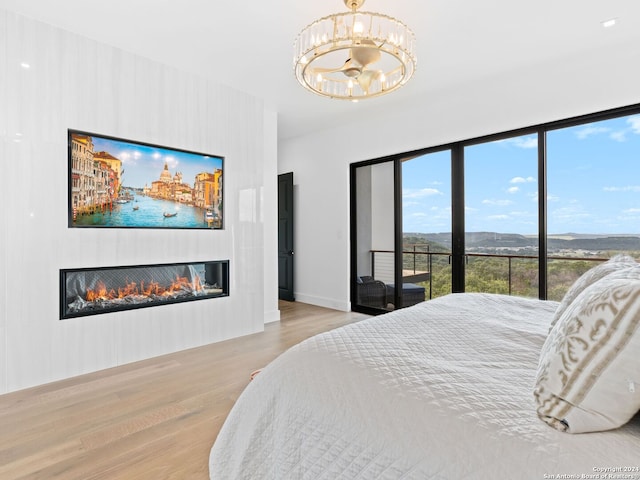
x,y
354,55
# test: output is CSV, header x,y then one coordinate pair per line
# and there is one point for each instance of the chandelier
x,y
354,55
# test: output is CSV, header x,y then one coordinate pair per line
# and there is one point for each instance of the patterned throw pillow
x,y
591,276
588,377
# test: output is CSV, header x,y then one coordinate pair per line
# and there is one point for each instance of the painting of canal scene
x,y
124,184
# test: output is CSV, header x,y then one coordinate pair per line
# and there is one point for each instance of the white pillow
x,y
618,262
589,372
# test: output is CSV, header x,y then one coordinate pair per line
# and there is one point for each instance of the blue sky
x,y
144,164
593,183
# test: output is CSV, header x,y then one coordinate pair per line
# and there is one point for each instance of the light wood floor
x,y
156,419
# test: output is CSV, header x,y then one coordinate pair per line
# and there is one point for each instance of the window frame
x,y
458,198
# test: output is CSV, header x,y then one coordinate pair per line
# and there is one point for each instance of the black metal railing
x,y
419,264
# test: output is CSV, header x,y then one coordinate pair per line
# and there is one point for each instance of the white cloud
x,y
523,142
499,203
569,215
591,130
619,136
627,188
634,127
629,215
513,190
421,193
634,122
523,214
522,180
498,217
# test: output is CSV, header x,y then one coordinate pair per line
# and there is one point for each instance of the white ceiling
x,y
248,45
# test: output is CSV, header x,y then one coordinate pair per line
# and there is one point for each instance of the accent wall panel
x,y
73,82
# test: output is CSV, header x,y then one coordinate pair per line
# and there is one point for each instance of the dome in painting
x,y
165,176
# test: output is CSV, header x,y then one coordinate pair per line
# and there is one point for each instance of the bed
x,y
440,390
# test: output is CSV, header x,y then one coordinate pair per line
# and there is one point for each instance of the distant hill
x,y
600,243
568,241
434,244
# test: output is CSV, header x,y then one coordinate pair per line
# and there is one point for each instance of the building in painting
x,y
207,191
95,177
110,168
165,176
170,187
82,176
106,183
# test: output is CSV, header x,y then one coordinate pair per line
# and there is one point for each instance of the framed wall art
x,y
117,183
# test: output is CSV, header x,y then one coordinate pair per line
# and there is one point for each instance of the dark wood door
x,y
285,236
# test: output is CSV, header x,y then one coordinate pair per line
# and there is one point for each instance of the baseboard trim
x,y
272,316
323,302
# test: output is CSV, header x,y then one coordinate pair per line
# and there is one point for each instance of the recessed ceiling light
x,y
25,65
609,23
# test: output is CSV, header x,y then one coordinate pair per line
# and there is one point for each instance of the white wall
x,y
74,82
269,201
561,88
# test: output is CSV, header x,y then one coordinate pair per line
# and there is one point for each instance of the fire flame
x,y
152,288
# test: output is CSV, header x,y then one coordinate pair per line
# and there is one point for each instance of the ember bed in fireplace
x,y
91,291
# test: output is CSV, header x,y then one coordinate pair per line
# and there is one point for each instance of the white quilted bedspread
x,y
441,390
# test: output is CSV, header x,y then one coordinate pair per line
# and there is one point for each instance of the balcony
x,y
490,273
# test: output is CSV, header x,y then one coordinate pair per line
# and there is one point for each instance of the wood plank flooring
x,y
155,419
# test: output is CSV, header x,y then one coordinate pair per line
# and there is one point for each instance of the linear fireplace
x,y
92,291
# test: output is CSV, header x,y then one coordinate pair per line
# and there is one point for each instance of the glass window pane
x,y
593,201
375,234
426,226
501,216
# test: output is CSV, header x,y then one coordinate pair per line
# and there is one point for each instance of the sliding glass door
x,y
373,196
401,211
517,213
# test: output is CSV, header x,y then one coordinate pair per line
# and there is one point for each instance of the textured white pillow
x,y
618,262
589,372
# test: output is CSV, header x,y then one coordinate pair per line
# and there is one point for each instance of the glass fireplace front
x,y
91,291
